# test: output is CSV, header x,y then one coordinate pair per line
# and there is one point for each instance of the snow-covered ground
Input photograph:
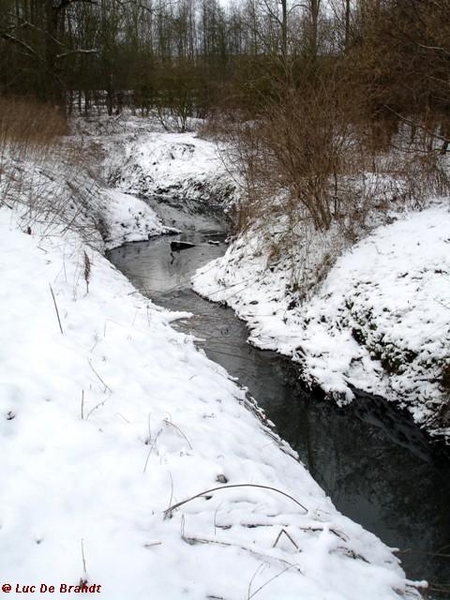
x,y
170,168
109,418
379,322
54,192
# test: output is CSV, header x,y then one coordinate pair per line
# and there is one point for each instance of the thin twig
x,y
261,567
56,309
95,408
82,404
150,451
87,271
288,537
83,556
269,581
121,415
192,541
171,488
179,430
182,527
97,375
151,544
169,511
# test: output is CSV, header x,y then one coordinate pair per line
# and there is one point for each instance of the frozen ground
x,y
108,417
379,322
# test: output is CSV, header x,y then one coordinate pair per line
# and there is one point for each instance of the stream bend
x,y
371,459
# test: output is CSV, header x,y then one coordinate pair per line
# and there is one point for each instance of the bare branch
x,y
14,40
437,48
418,125
78,51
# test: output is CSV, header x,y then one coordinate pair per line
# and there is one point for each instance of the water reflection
x,y
374,463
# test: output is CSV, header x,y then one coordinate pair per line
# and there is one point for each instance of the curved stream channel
x,y
371,460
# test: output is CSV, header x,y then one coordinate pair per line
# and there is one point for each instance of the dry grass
x,y
30,124
29,131
43,174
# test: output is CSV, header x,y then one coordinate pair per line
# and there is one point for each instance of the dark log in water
x,y
179,245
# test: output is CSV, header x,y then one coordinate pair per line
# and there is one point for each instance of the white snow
x,y
380,321
52,191
107,424
127,218
140,158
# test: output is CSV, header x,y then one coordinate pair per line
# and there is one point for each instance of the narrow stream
x,y
372,460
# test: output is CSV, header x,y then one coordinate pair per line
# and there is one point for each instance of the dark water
x,y
372,460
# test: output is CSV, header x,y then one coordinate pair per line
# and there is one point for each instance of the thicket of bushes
x,y
347,124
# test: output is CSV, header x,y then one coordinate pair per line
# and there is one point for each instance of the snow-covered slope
x,y
109,417
53,192
380,321
140,158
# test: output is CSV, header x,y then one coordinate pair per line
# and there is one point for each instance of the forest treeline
x,y
201,54
326,85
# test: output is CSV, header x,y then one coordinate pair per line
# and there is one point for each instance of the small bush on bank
x,y
312,167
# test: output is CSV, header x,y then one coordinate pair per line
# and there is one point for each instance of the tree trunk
x,y
347,26
54,91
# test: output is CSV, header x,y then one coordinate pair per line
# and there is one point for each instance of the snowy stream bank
x,y
109,417
380,321
382,494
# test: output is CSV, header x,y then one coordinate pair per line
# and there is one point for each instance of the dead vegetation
x,y
42,172
313,163
31,124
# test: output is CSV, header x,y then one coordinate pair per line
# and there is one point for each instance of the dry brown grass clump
x,y
29,123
